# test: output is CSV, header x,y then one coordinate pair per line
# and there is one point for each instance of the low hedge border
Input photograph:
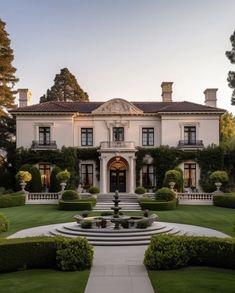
x,y
172,252
12,200
45,252
226,200
79,205
154,205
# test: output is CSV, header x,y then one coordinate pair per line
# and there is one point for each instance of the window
x,y
118,134
190,135
45,171
44,135
190,175
87,136
87,174
147,136
148,176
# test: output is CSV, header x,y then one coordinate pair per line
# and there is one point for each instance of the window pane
x,y
147,136
86,136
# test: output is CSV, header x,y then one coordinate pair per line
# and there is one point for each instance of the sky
x,y
123,48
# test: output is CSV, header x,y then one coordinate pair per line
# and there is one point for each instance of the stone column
x,y
103,175
132,174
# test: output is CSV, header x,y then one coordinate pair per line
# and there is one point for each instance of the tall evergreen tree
x,y
65,88
227,131
231,74
7,71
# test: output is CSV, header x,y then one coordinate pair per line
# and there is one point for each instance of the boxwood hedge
x,y
226,200
12,200
45,252
79,205
172,252
155,205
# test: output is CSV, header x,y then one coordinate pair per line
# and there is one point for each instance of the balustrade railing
x,y
38,145
42,197
117,144
195,196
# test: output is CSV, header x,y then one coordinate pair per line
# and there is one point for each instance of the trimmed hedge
x,y
94,190
12,200
172,252
154,205
165,193
226,200
70,195
140,190
4,223
79,205
45,252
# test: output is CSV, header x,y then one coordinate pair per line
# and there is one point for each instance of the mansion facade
x,y
117,128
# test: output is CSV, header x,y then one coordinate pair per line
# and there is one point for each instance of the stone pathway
x,y
119,270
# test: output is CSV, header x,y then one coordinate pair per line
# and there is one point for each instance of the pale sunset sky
x,y
123,48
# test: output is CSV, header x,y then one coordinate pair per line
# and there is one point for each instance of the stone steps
x,y
110,237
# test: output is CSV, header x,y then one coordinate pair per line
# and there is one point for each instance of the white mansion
x,y
117,128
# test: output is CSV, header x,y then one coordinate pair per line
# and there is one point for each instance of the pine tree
x,y
7,71
65,88
231,74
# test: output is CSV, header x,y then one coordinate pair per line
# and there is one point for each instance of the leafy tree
x,y
65,88
227,131
7,72
231,74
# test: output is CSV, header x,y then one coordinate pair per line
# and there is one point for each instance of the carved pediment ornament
x,y
117,106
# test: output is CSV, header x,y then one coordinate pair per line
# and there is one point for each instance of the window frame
x,y
45,132
87,173
190,135
118,134
87,133
147,131
188,182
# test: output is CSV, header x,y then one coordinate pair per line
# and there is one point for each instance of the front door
x,y
118,180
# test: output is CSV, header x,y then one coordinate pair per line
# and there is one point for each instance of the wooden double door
x,y
118,180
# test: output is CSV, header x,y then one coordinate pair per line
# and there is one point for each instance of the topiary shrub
x,y
219,176
63,176
36,182
70,195
173,176
86,224
165,194
93,190
142,224
74,254
226,200
4,223
54,183
140,190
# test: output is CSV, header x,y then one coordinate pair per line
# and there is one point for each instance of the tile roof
x,y
88,107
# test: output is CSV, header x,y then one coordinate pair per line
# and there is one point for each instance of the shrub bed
x,y
140,190
94,190
4,223
44,252
171,252
155,205
165,193
12,200
79,205
226,200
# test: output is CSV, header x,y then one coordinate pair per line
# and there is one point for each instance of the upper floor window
x,y
44,135
190,134
87,136
118,133
147,136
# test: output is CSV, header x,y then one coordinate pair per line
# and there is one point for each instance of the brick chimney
x,y
166,91
210,97
25,96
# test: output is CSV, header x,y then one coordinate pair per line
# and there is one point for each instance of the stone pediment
x,y
117,106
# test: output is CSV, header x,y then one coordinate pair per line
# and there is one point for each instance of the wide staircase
x,y
111,237
128,202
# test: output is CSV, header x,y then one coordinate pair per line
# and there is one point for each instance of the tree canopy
x,y
227,131
231,74
65,88
7,72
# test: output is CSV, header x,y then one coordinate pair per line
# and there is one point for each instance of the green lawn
x,y
193,280
28,216
43,281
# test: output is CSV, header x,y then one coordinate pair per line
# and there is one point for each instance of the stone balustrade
x,y
42,198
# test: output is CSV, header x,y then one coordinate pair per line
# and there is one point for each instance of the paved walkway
x,y
119,269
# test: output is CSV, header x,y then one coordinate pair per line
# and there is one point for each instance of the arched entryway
x,y
118,167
